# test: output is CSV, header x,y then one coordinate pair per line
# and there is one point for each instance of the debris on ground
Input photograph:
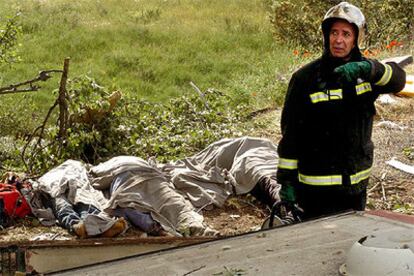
x,y
401,166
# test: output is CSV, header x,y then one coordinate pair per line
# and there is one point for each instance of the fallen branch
x,y
379,181
254,206
62,120
41,128
14,88
204,206
259,112
374,187
384,198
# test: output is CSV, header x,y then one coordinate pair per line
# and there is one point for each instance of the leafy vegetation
x,y
298,22
10,32
409,152
102,125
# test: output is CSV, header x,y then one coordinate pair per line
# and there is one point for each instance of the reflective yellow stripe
x,y
363,88
362,175
321,180
329,96
335,94
319,97
328,180
386,77
290,164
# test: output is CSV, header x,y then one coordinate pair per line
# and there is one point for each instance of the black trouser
x,y
319,201
267,191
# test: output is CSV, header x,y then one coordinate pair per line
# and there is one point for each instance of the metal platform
x,y
316,247
48,256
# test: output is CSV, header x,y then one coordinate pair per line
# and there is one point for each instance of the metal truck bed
x,y
315,247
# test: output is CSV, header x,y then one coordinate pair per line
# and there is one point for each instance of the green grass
x,y
152,48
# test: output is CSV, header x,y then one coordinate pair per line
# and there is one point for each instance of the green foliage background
x,y
150,49
9,39
298,22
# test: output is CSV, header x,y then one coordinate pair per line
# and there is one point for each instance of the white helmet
x,y
347,12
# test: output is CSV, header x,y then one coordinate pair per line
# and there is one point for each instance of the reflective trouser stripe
x,y
363,88
321,180
290,164
327,180
358,177
386,77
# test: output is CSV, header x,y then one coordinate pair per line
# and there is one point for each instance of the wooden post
x,y
63,107
62,100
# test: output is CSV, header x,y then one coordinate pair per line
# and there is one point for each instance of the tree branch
x,y
15,88
41,128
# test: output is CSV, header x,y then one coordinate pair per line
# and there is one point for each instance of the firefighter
x,y
326,152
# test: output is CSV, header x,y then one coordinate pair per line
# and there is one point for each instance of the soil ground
x,y
390,189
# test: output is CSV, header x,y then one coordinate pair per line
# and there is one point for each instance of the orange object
x,y
408,89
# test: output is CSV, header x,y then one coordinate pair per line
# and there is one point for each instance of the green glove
x,y
351,71
287,193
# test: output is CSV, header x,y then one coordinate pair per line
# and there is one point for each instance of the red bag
x,y
15,205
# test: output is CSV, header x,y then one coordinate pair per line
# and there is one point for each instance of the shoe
x,y
117,228
80,230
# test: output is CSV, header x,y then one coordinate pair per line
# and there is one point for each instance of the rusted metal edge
x,y
177,240
106,241
392,215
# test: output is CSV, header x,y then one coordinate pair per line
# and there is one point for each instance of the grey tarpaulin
x,y
147,190
174,193
208,177
70,180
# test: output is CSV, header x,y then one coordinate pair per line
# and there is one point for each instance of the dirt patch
x,y
29,229
392,189
239,215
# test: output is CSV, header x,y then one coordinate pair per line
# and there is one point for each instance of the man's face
x,y
341,39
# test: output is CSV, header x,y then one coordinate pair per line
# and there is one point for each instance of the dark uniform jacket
x,y
327,124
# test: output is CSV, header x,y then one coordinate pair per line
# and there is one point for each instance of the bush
x,y
298,22
98,130
10,31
